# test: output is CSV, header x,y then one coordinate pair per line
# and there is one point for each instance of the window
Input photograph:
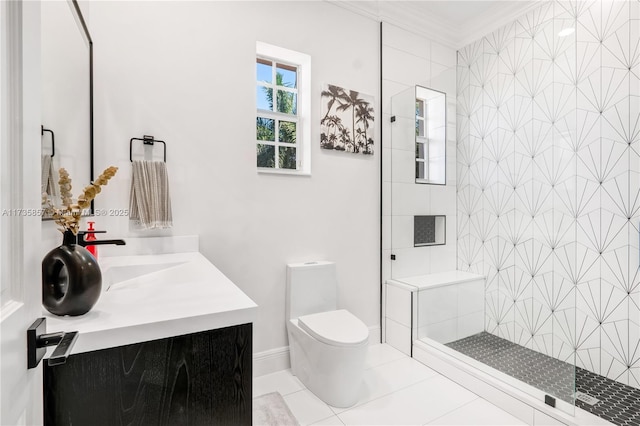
x,y
422,145
431,136
282,110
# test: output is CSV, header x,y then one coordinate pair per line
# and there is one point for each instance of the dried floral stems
x,y
68,216
65,186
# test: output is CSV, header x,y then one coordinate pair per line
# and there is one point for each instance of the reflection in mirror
x,y
420,121
66,55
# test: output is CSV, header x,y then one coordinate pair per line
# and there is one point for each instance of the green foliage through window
x,y
266,155
276,130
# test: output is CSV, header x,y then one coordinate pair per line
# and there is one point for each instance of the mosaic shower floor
x,y
618,403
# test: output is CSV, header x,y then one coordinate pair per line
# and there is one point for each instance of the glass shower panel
x,y
406,199
449,316
418,157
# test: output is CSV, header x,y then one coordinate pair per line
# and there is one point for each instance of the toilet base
x,y
333,373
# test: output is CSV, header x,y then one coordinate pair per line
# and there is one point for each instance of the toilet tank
x,y
311,288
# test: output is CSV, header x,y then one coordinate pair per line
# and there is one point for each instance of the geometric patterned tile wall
x,y
548,172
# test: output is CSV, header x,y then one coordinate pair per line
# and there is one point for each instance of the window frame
x,y
302,62
424,141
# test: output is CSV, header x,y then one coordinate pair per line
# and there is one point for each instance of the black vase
x,y
71,279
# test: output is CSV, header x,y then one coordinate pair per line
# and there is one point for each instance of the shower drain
x,y
587,399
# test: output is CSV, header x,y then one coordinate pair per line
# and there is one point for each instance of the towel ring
x,y
53,139
146,140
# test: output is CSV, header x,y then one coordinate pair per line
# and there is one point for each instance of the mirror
x,y
67,98
420,122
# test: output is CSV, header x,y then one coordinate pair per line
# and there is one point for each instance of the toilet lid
x,y
337,328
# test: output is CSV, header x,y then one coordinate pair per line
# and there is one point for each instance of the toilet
x,y
327,345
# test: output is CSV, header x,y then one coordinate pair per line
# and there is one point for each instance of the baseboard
x,y
270,361
277,359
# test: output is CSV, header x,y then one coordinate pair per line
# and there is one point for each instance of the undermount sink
x,y
117,277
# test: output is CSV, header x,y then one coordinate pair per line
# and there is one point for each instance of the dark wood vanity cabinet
x,y
196,379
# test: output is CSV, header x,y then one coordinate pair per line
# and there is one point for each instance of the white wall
x,y
185,73
410,59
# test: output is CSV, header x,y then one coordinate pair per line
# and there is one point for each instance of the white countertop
x,y
189,297
439,279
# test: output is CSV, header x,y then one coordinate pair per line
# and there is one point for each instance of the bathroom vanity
x,y
169,342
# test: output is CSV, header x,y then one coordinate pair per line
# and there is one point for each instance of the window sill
x,y
283,172
429,182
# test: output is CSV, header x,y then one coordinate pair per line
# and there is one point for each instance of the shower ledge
x,y
439,279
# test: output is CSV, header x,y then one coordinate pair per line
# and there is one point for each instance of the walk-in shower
x,y
545,142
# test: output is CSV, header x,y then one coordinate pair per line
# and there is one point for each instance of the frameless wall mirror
x,y
419,120
67,110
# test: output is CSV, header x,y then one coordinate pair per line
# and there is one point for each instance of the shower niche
x,y
419,122
429,230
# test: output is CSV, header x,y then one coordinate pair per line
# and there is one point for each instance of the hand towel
x,y
150,202
47,178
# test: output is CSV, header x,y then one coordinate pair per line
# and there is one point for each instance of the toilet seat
x,y
336,328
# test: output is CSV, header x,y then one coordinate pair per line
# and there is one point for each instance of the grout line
x,y
387,394
295,380
455,409
293,393
406,52
378,397
388,362
315,396
408,86
384,363
334,415
399,49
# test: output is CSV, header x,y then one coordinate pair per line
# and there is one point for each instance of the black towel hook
x,y
53,139
146,140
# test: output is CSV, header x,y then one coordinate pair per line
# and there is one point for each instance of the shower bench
x,y
444,306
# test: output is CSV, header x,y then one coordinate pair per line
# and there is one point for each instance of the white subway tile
x,y
386,164
402,232
403,166
402,39
398,306
398,336
442,332
391,88
443,55
470,297
471,324
403,67
386,232
437,304
443,258
411,261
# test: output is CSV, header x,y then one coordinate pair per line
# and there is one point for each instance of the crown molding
x,y
495,18
368,9
410,16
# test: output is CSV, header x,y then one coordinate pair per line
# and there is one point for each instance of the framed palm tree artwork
x,y
347,120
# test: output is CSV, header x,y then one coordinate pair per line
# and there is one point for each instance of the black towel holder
x,y
146,140
53,139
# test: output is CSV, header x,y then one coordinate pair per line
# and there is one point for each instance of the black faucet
x,y
82,242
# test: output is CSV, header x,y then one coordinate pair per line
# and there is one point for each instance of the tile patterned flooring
x,y
397,390
619,403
